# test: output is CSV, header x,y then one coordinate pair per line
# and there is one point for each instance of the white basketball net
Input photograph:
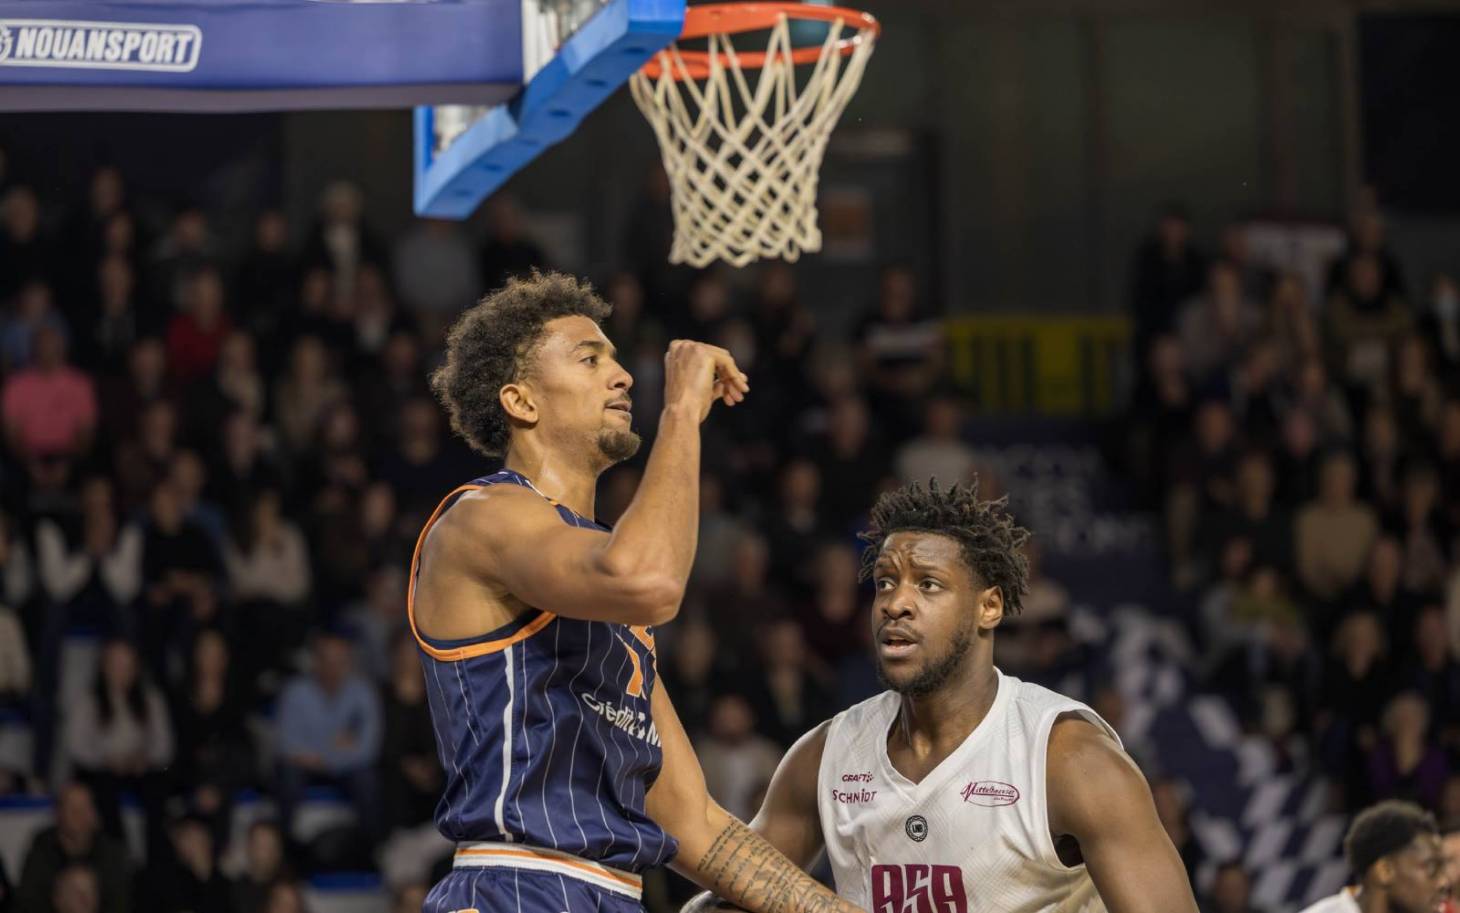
x,y
743,159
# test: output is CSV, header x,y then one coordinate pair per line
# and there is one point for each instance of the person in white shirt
x,y
962,789
1393,849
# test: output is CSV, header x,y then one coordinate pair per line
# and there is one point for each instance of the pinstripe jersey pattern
x,y
544,728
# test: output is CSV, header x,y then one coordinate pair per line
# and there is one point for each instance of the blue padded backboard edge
x,y
589,67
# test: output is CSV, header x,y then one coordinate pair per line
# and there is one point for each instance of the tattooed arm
x,y
716,851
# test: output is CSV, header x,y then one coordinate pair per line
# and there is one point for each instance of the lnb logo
x,y
66,44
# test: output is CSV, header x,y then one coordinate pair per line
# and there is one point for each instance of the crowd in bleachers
x,y
1302,445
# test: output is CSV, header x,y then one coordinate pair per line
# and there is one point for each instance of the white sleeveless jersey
x,y
973,836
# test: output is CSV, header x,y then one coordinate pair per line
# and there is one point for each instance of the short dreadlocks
x,y
493,344
992,543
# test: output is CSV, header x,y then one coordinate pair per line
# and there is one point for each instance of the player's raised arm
x,y
1098,796
721,854
513,541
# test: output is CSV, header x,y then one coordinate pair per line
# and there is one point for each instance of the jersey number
x,y
636,680
917,888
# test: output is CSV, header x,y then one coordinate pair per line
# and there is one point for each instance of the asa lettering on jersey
x,y
990,793
918,888
635,722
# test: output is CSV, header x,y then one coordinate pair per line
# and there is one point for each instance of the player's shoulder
x,y
873,710
1342,902
482,509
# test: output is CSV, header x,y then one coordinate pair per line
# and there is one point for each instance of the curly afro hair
x,y
992,543
493,345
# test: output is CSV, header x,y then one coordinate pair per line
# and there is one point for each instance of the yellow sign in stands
x,y
1054,365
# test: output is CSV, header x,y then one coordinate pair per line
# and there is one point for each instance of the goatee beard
x,y
934,676
618,446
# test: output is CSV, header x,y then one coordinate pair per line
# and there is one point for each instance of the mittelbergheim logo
x,y
150,46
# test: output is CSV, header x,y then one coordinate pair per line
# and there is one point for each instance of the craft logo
x,y
917,888
990,793
153,47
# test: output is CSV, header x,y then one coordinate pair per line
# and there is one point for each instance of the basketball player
x,y
567,770
961,789
1393,849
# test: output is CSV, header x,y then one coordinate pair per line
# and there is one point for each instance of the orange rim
x,y
735,18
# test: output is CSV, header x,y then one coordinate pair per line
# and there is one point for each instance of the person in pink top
x,y
49,409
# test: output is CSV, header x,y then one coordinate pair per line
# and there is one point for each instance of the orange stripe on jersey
x,y
559,859
455,654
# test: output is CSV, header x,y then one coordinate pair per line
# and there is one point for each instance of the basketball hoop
x,y
742,154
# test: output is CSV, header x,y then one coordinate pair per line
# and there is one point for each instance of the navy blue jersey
x,y
544,728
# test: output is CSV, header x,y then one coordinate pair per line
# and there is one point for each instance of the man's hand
x,y
696,374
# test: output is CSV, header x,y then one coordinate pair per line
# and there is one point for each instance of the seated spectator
x,y
1362,322
749,599
1439,325
719,530
690,671
1415,389
145,460
235,384
26,255
285,897
329,730
1368,238
939,453
833,617
1160,414
1407,763
125,399
189,477
738,762
1252,517
34,311
1298,460
396,379
266,556
795,523
787,696
416,468
1423,530
50,408
191,880
1352,698
266,279
76,839
851,458
17,568
14,660
1290,324
92,575
182,570
1381,458
1216,328
1256,388
1334,532
900,349
215,753
1433,671
195,336
1166,270
409,768
242,464
265,867
119,739
304,392
116,321
1201,474
1325,405
377,619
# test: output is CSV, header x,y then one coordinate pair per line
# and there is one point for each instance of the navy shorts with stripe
x,y
506,890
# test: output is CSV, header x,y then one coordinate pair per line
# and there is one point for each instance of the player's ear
x,y
518,402
990,608
1384,871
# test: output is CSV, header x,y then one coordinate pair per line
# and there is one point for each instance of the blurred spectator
x,y
90,574
192,881
1407,764
689,672
1231,891
33,310
25,255
1216,328
144,461
376,620
329,728
1381,458
189,478
266,278
1312,394
899,350
795,523
719,530
1166,271
416,467
125,400
788,697
49,409
509,251
409,769
284,897
832,615
119,738
303,394
1160,414
738,762
214,750
376,315
187,247
747,600
1362,321
241,464
1382,591
266,556
1439,324
195,335
1423,530
1433,672
939,453
1252,516
1298,460
1236,250
1290,322
1353,696
340,241
383,393
436,270
15,682
115,319
76,839
265,866
1333,533
410,899
784,328
850,458
235,384
1368,238
1201,473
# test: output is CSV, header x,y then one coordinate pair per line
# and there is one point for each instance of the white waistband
x,y
536,859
